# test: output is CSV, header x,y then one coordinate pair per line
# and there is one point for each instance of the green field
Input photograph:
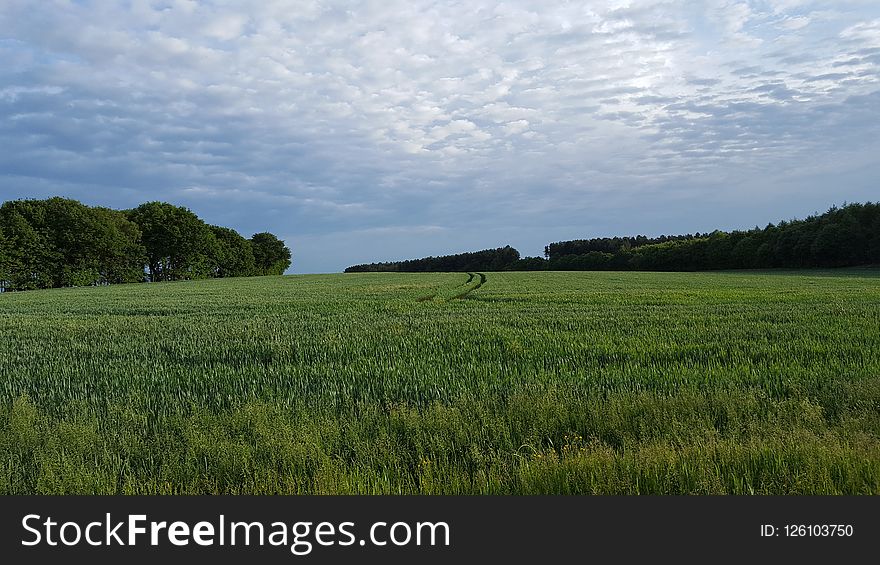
x,y
613,383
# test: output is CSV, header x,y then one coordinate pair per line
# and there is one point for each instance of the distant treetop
x,y
848,236
486,260
841,237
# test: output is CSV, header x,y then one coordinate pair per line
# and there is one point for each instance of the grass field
x,y
614,383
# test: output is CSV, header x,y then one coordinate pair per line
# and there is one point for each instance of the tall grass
x,y
531,383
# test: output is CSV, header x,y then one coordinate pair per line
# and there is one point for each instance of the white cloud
x,y
795,23
225,27
516,127
866,32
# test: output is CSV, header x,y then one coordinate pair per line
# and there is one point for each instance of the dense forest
x,y
60,243
841,237
609,244
503,258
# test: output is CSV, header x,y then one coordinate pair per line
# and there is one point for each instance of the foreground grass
x,y
389,383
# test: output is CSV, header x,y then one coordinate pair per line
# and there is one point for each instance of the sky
x,y
384,130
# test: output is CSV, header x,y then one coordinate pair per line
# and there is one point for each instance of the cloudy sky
x,y
381,130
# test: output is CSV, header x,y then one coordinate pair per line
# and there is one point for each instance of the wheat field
x,y
454,383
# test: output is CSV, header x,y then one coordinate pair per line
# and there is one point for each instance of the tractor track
x,y
469,290
461,295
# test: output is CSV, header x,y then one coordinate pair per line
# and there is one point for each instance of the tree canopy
x,y
179,245
841,237
234,255
486,260
60,242
271,257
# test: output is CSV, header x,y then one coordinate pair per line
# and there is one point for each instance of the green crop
x,y
515,383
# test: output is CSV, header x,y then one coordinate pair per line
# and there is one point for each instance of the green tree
x,y
271,256
179,245
120,254
505,257
73,232
30,260
235,254
745,252
831,247
62,242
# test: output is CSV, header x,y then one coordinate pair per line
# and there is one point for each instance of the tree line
x,y
841,237
609,244
847,236
60,242
486,260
